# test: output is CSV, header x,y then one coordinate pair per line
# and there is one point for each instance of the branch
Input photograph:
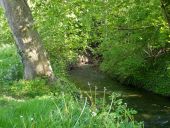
x,y
139,28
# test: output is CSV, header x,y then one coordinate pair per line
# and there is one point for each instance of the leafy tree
x,y
28,42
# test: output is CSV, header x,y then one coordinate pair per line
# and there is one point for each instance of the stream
x,y
153,109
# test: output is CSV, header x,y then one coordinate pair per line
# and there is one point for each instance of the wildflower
x,y
71,15
125,104
32,119
94,114
21,116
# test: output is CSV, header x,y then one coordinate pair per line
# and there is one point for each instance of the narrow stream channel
x,y
153,109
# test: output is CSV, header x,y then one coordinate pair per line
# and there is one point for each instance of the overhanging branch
x,y
138,28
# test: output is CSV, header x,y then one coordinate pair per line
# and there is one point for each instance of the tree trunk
x,y
165,4
34,57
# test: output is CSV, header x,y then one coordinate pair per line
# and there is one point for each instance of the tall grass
x,y
62,111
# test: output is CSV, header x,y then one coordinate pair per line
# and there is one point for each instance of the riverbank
x,y
157,84
153,109
151,78
150,81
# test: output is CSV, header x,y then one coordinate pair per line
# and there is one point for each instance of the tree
x,y
165,4
28,42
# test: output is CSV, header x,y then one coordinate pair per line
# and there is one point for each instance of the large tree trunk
x,y
28,42
165,4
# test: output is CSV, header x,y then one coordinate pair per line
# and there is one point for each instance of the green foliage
x,y
64,35
5,34
10,66
69,28
134,31
135,44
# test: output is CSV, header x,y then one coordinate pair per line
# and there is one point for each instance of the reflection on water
x,y
154,110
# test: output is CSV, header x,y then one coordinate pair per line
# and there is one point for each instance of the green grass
x,y
34,104
62,111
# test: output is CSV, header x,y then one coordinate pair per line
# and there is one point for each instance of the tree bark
x,y
29,44
165,4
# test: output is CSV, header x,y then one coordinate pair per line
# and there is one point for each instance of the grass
x,y
62,111
34,104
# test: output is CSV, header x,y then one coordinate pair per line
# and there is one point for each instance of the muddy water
x,y
153,109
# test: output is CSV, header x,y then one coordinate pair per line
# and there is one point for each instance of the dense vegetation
x,y
127,39
130,39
